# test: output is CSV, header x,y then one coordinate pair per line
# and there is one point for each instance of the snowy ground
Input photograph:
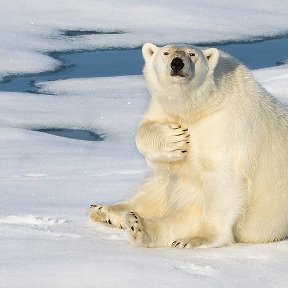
x,y
47,182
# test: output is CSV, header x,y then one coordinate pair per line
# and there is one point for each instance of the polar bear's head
x,y
178,64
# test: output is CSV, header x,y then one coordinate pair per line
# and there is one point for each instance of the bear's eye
x,y
166,53
191,54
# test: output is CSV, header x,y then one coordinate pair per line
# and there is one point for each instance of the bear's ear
x,y
148,50
212,55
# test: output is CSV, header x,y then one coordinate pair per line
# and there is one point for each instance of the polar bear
x,y
217,145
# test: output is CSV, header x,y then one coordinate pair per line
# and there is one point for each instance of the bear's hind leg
x,y
189,228
159,231
150,201
144,235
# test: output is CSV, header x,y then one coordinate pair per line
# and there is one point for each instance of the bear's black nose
x,y
177,64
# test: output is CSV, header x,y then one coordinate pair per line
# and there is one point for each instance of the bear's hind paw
x,y
104,214
190,242
135,227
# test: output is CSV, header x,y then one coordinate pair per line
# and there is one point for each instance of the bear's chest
x,y
210,139
210,143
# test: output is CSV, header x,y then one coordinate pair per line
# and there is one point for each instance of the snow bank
x,y
33,27
275,80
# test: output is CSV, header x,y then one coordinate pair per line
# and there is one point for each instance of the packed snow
x,y
48,182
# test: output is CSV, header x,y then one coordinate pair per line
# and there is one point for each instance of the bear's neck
x,y
188,105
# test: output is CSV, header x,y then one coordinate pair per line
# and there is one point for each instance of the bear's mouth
x,y
177,74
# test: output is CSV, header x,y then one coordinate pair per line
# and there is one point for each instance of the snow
x,y
48,182
30,219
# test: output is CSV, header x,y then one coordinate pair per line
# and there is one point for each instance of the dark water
x,y
74,134
261,54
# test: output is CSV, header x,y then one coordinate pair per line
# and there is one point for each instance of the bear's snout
x,y
177,64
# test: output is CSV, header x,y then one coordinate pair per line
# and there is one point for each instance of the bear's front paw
x,y
136,227
107,215
172,145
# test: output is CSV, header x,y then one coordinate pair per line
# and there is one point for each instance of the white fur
x,y
228,180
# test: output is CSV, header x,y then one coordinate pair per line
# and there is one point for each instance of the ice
x,y
48,182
